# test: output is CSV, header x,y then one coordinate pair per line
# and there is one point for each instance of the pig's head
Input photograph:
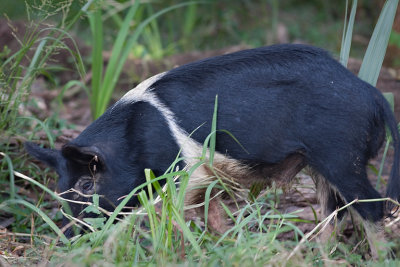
x,y
109,157
85,170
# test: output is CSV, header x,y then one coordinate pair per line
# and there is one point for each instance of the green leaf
x,y
96,223
94,208
373,59
347,34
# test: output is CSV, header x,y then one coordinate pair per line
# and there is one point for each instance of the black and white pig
x,y
289,106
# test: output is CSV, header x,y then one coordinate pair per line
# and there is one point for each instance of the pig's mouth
x,y
83,206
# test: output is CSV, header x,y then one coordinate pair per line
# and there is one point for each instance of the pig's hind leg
x,y
346,180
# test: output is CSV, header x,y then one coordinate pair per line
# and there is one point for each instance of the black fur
x,y
277,101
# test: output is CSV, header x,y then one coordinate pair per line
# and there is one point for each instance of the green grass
x,y
103,84
157,233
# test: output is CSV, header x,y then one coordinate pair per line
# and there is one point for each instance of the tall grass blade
x,y
52,225
11,172
106,88
44,188
189,23
57,42
373,58
96,26
121,205
67,86
45,128
153,37
207,198
149,207
213,139
347,34
379,179
186,231
117,62
190,19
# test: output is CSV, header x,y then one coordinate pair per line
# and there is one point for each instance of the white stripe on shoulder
x,y
143,92
138,92
191,149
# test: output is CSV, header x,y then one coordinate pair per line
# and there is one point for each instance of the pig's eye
x,y
87,186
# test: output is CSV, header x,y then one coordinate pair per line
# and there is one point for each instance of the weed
x,y
103,84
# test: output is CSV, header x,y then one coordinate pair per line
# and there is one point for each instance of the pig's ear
x,y
82,155
51,157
